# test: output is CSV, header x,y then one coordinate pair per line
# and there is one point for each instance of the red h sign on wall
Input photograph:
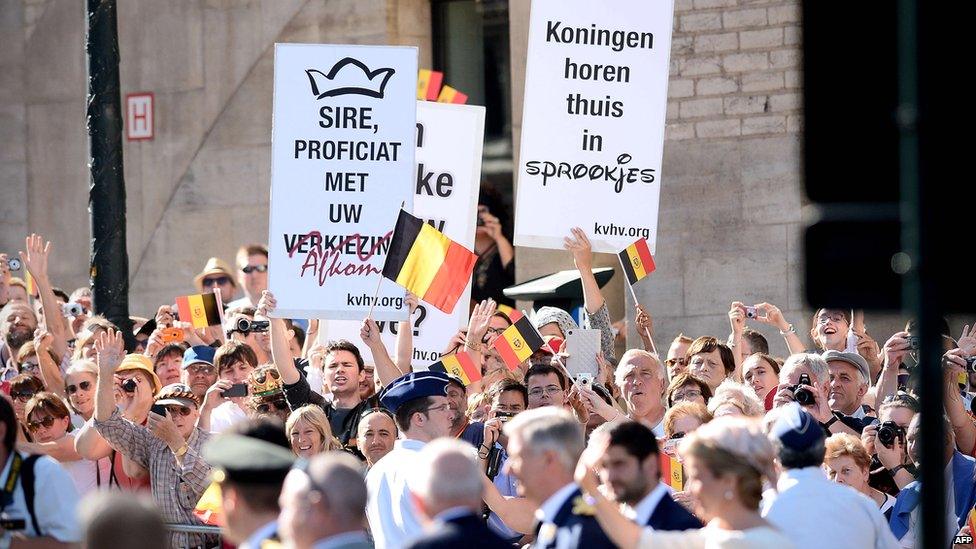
x,y
139,116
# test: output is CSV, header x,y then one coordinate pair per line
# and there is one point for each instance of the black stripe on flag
x,y
404,235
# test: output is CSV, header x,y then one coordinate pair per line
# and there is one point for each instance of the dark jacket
x,y
574,527
466,531
670,515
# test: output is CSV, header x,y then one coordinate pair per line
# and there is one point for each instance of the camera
x,y
971,364
13,264
802,395
246,326
751,312
72,309
913,343
888,432
504,416
585,379
129,385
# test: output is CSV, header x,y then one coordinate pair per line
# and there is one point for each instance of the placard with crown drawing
x,y
343,142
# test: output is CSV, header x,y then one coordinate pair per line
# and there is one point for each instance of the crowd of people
x,y
257,426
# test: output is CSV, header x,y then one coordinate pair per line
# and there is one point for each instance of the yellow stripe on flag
x,y
198,313
447,95
423,82
424,260
518,344
635,261
453,367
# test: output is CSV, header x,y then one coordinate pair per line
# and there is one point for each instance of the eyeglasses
x,y
255,268
174,409
547,390
686,395
836,317
676,436
22,396
35,425
84,386
201,370
675,361
219,281
278,405
439,407
28,365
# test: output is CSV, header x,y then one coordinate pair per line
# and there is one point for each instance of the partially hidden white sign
x,y
342,164
593,121
449,142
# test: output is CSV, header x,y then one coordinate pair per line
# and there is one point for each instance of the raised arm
x,y
593,302
893,352
49,370
109,351
517,513
954,368
35,258
62,449
280,351
386,370
770,314
404,338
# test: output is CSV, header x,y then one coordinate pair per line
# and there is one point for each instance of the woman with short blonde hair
x,y
309,432
684,417
732,398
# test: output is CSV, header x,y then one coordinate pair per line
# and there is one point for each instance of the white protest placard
x,y
448,177
342,164
596,88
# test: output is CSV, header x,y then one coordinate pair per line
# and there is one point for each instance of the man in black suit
x,y
544,446
447,492
630,469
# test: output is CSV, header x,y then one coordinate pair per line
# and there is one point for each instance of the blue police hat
x,y
795,428
413,386
198,354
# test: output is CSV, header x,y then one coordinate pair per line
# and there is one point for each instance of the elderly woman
x,y
309,432
735,399
848,462
48,420
725,461
710,360
79,386
761,372
683,418
688,387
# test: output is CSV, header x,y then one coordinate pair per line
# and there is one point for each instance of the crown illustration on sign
x,y
349,77
264,382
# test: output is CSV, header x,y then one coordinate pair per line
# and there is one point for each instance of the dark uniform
x,y
573,527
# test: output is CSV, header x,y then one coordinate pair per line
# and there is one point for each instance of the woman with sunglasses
x,y
48,421
79,386
22,388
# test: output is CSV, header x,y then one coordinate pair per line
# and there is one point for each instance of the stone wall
x,y
200,188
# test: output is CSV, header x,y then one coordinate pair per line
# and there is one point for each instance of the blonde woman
x,y
309,432
725,461
79,386
732,398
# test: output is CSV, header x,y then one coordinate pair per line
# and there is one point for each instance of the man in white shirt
x,y
814,511
642,379
419,403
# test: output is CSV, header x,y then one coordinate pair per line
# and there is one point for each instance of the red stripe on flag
x,y
470,369
183,306
506,352
451,279
434,85
645,256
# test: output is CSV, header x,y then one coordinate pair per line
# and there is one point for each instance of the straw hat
x,y
214,266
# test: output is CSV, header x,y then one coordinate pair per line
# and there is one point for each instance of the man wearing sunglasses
x,y
169,446
252,274
216,274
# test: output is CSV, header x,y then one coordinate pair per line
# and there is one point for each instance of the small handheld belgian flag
x,y
636,261
428,263
459,365
518,342
672,472
201,310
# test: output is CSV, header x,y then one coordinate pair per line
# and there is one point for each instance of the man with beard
x,y
343,372
629,471
17,325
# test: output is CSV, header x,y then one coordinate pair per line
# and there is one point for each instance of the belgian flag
x,y
428,263
672,472
459,365
201,310
518,342
636,261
